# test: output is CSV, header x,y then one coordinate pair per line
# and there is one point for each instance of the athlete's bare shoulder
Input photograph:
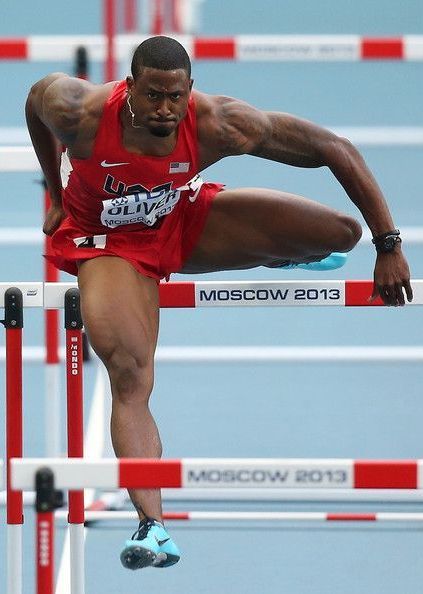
x,y
69,107
227,126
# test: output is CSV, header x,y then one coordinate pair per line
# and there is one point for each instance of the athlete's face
x,y
159,99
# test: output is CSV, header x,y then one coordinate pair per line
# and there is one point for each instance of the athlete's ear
x,y
191,82
129,83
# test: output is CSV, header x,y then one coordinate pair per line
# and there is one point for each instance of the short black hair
x,y
161,52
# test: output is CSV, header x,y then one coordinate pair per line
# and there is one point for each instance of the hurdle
x,y
322,474
94,517
195,294
215,473
15,299
258,48
365,49
48,475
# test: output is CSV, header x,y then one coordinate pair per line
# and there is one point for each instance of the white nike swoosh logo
x,y
105,164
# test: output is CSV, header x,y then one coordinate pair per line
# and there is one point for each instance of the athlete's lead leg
x,y
251,227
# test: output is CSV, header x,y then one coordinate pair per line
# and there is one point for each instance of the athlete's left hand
x,y
392,278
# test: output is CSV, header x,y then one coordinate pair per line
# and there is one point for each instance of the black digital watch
x,y
386,242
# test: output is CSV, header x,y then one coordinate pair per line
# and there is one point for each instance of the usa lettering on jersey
x,y
144,206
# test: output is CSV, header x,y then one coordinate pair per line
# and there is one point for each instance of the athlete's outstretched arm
x,y
281,137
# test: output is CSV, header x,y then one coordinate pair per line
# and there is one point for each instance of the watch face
x,y
389,243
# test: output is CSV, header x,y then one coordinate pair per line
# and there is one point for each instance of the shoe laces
x,y
143,529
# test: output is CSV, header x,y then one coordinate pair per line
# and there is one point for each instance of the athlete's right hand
x,y
54,217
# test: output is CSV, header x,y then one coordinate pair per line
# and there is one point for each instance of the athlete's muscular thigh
x,y
250,227
120,311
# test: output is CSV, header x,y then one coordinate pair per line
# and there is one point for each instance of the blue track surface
x,y
367,411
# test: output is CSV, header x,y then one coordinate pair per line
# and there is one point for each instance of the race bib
x,y
147,206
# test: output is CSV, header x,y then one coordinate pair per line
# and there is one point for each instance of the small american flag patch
x,y
179,167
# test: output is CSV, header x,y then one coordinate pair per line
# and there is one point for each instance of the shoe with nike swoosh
x,y
150,546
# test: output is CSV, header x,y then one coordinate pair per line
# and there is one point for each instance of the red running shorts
x,y
155,252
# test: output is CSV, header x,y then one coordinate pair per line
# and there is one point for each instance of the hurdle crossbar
x,y
263,48
261,354
371,136
257,495
254,516
23,158
215,473
328,293
22,236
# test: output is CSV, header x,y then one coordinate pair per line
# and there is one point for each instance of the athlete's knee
x,y
347,235
131,377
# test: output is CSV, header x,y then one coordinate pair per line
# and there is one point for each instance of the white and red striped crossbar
x,y
344,293
255,516
254,293
242,473
238,47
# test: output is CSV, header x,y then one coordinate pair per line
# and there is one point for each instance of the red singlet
x,y
148,210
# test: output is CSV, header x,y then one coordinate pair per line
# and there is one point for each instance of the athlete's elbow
x,y
339,153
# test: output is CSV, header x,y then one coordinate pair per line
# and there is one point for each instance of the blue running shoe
x,y
331,262
150,546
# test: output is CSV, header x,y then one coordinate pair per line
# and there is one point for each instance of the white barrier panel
x,y
270,293
371,136
14,135
101,473
261,354
413,45
32,293
290,48
287,474
10,236
18,158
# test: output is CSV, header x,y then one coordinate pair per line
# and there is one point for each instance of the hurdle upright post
x,y
109,24
157,25
52,372
74,370
175,16
81,63
130,17
13,322
47,500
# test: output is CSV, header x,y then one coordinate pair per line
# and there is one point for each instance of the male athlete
x,y
129,208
